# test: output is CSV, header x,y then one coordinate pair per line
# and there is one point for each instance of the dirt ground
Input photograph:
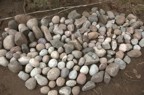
x,y
128,82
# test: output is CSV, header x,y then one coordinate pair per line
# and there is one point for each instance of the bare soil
x,y
128,82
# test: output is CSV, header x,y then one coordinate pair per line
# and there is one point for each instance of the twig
x,y
56,9
24,6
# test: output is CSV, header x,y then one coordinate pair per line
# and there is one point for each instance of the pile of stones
x,y
66,55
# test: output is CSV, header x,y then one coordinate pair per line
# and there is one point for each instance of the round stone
x,y
55,55
76,90
77,54
35,71
45,59
30,83
61,65
40,46
52,63
53,92
123,47
64,72
65,90
93,69
44,89
81,79
43,52
53,74
52,84
70,64
84,69
71,83
33,62
73,74
45,70
56,19
60,81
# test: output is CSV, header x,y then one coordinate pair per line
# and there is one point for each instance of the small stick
x,y
55,9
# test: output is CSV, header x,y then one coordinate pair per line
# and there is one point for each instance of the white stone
x,y
70,64
43,52
123,47
3,61
35,71
73,74
24,60
45,70
42,65
28,68
84,69
22,75
55,55
52,63
100,51
44,89
61,65
71,83
93,69
41,80
33,62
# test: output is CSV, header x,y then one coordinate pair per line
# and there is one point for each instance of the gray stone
x,y
22,75
79,22
73,15
41,80
64,72
127,59
110,14
65,90
88,86
73,74
8,42
20,39
92,18
53,74
141,43
2,52
120,19
91,58
3,61
14,67
103,19
46,32
31,36
112,69
56,19
13,24
98,77
68,48
120,62
77,54
30,83
134,53
107,78
25,48
56,43
53,92
76,44
100,51
93,69
71,83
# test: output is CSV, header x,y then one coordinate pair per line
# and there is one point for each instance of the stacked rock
x,y
65,51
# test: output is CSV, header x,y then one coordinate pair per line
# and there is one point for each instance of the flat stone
x,y
134,53
98,77
73,15
88,86
22,75
20,39
107,78
120,62
92,18
47,33
56,43
91,58
14,67
92,35
30,83
37,32
112,69
127,59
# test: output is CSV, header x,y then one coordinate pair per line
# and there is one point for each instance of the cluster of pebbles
x,y
67,55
